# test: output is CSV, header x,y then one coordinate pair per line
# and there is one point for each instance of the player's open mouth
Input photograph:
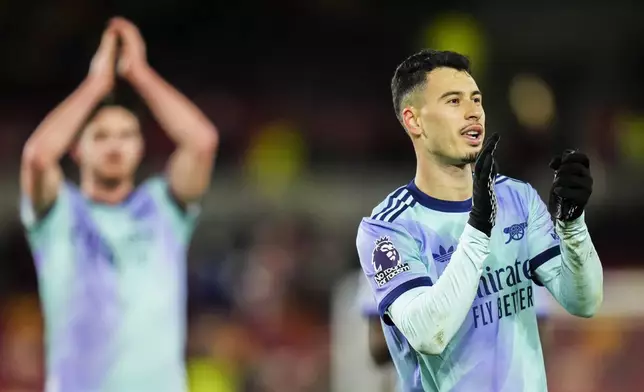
x,y
473,133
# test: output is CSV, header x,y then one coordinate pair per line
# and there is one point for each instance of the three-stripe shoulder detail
x,y
500,179
398,202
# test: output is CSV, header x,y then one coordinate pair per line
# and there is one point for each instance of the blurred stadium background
x,y
300,92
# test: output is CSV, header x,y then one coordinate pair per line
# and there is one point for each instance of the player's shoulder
x,y
71,192
392,207
153,189
513,192
156,187
391,218
156,181
69,187
505,183
509,181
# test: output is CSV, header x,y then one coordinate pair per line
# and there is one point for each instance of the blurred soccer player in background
x,y
451,257
111,256
377,342
378,349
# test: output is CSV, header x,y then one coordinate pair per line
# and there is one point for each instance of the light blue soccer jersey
x,y
112,282
408,241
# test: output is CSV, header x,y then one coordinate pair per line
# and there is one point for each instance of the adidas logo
x,y
443,255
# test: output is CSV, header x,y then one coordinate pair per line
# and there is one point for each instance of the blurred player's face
x,y
450,117
111,146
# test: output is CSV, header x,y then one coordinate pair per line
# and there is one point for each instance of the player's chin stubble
x,y
109,182
470,158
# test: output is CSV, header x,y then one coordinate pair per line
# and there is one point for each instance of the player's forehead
x,y
443,80
112,119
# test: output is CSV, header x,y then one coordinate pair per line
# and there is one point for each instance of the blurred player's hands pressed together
x,y
101,70
132,55
483,214
571,187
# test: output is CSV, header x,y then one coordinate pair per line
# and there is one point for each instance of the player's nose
x,y
473,113
113,152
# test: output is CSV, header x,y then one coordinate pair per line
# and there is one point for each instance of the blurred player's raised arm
x,y
40,173
563,257
196,137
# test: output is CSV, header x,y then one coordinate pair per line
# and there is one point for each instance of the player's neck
x,y
443,181
106,193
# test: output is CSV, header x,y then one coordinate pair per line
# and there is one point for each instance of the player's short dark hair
x,y
121,96
108,102
412,72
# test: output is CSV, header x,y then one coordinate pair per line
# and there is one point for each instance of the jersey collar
x,y
437,204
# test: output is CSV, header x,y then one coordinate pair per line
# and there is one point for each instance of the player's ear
x,y
411,121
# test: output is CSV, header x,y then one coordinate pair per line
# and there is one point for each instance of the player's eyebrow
x,y
459,93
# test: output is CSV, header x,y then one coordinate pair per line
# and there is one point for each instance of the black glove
x,y
571,187
483,214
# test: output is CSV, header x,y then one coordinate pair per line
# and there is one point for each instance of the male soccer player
x,y
452,255
110,257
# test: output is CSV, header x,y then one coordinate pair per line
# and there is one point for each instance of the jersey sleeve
x,y
182,218
543,241
391,260
56,218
